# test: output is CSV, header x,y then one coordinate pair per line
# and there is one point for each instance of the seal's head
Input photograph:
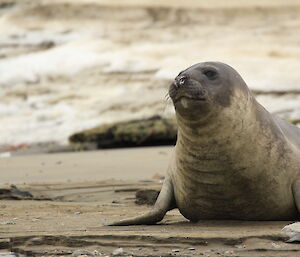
x,y
205,88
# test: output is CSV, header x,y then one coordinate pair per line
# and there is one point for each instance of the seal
x,y
232,159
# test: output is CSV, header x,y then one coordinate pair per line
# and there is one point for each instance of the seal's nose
x,y
180,81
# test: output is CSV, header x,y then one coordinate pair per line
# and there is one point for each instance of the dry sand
x,y
92,189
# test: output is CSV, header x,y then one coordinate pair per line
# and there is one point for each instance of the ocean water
x,y
64,68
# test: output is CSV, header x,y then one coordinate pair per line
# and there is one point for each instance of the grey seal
x,y
232,159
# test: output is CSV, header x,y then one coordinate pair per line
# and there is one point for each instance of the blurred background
x,y
71,65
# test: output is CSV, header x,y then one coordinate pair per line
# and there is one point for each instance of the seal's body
x,y
232,159
232,172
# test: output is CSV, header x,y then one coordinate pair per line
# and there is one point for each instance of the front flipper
x,y
164,203
293,230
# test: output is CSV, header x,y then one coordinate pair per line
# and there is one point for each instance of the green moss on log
x,y
144,132
295,122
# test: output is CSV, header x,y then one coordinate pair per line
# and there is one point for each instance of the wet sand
x,y
85,191
127,164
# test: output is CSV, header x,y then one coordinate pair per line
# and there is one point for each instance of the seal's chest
x,y
217,196
208,200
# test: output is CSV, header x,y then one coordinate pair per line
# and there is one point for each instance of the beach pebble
x,y
274,245
118,251
240,246
81,253
96,253
9,222
5,155
158,176
292,231
146,196
10,254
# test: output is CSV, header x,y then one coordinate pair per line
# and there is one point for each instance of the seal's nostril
x,y
182,80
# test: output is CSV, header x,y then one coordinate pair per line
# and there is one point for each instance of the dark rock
x,y
148,196
6,4
13,193
144,132
47,44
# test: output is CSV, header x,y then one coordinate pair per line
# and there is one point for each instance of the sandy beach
x,y
75,195
125,164
70,65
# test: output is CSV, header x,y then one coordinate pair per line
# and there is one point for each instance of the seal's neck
x,y
216,131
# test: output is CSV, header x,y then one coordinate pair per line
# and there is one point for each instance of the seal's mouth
x,y
189,98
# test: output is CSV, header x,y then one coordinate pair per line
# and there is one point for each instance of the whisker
x,y
167,97
167,101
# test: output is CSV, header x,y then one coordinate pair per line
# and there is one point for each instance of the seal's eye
x,y
210,74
